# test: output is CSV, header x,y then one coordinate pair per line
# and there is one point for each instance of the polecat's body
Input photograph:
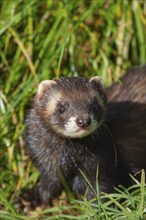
x,y
126,120
65,134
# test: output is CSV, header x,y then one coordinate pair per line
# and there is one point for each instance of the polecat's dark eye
x,y
62,108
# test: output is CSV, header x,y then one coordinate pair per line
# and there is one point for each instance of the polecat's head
x,y
72,107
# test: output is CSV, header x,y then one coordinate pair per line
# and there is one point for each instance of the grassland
x,y
43,39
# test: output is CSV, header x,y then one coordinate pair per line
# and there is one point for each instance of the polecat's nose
x,y
83,122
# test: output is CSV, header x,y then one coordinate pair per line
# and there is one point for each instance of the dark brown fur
x,y
127,122
115,153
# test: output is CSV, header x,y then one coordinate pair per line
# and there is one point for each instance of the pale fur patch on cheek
x,y
52,103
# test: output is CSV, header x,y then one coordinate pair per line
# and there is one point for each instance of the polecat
x,y
67,131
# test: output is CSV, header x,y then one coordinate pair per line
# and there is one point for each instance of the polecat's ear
x,y
97,82
46,84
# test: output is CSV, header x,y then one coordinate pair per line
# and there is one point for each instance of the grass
x,y
125,204
48,39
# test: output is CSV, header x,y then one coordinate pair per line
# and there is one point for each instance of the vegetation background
x,y
43,39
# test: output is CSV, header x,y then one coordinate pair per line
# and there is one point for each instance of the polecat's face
x,y
72,107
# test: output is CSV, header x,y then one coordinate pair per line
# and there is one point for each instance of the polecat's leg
x,y
49,189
